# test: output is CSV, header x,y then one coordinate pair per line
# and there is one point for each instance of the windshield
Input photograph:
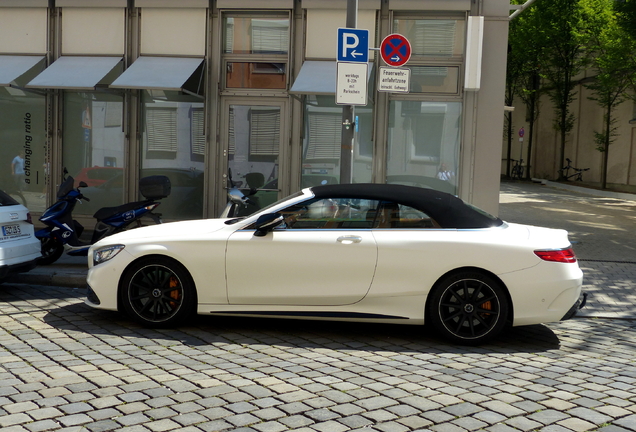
x,y
265,209
294,195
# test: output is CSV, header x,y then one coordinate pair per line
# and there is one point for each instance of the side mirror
x,y
83,184
267,223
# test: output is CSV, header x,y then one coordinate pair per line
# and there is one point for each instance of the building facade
x,y
581,147
214,92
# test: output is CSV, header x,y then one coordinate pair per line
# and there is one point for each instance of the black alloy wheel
x,y
469,308
51,249
158,292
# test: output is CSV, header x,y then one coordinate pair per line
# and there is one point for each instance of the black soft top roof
x,y
446,209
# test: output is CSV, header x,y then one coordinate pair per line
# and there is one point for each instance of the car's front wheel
x,y
468,308
158,292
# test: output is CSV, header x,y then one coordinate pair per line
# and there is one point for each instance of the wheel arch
x,y
469,269
150,257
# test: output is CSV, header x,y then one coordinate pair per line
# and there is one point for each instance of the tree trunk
x,y
606,144
509,143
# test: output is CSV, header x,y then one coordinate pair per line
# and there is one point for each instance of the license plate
x,y
8,230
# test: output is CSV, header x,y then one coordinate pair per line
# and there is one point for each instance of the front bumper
x,y
578,305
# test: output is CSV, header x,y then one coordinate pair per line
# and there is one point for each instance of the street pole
x,y
348,115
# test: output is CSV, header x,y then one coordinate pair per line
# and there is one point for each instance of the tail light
x,y
29,219
557,255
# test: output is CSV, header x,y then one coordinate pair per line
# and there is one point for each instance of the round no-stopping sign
x,y
395,50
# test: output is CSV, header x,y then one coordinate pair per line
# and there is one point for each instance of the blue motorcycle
x,y
62,232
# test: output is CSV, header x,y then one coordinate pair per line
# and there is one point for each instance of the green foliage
x,y
560,39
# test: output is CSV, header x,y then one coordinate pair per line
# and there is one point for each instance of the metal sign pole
x,y
348,115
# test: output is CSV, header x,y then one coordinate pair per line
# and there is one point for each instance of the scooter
x,y
238,202
62,232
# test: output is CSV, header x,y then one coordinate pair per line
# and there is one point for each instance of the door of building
x,y
254,159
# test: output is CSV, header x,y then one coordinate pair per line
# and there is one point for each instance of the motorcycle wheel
x,y
52,250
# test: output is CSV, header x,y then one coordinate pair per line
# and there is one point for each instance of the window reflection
x,y
23,149
424,142
322,142
93,146
174,145
256,75
254,146
251,35
432,37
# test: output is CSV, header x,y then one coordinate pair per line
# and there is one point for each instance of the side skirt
x,y
330,315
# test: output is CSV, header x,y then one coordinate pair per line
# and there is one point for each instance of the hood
x,y
183,229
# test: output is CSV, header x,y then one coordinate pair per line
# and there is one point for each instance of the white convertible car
x,y
361,252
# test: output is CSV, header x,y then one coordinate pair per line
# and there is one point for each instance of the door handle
x,y
349,239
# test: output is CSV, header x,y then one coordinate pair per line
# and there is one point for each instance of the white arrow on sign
x,y
395,58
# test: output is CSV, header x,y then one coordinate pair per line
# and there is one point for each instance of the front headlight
x,y
105,253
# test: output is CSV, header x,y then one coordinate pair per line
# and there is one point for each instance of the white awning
x,y
158,73
318,77
13,67
75,73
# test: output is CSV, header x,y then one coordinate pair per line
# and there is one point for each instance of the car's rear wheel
x,y
158,292
51,249
469,308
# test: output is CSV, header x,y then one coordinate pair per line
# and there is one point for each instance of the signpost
x,y
351,42
351,77
353,65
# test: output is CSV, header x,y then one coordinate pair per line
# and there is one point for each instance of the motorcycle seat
x,y
106,212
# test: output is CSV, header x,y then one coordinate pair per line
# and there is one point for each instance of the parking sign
x,y
353,45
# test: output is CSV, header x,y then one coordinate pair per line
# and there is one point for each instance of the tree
x,y
626,15
613,62
514,71
563,31
527,45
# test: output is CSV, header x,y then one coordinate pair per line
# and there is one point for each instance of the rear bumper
x,y
578,305
18,268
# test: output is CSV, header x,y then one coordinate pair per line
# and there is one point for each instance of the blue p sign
x,y
353,45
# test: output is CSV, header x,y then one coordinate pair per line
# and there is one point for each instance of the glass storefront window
x,y
256,75
434,79
432,37
93,147
322,142
255,35
23,149
423,144
253,153
255,50
174,145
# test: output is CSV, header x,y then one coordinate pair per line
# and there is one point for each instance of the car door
x,y
323,255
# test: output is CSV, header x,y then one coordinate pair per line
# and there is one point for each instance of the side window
x,y
331,213
393,215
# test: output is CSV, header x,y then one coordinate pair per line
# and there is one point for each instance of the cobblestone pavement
x,y
66,367
602,231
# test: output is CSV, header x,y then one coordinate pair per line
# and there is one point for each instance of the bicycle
x,y
517,169
578,172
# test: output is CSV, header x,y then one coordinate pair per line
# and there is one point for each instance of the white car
x,y
19,248
361,252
